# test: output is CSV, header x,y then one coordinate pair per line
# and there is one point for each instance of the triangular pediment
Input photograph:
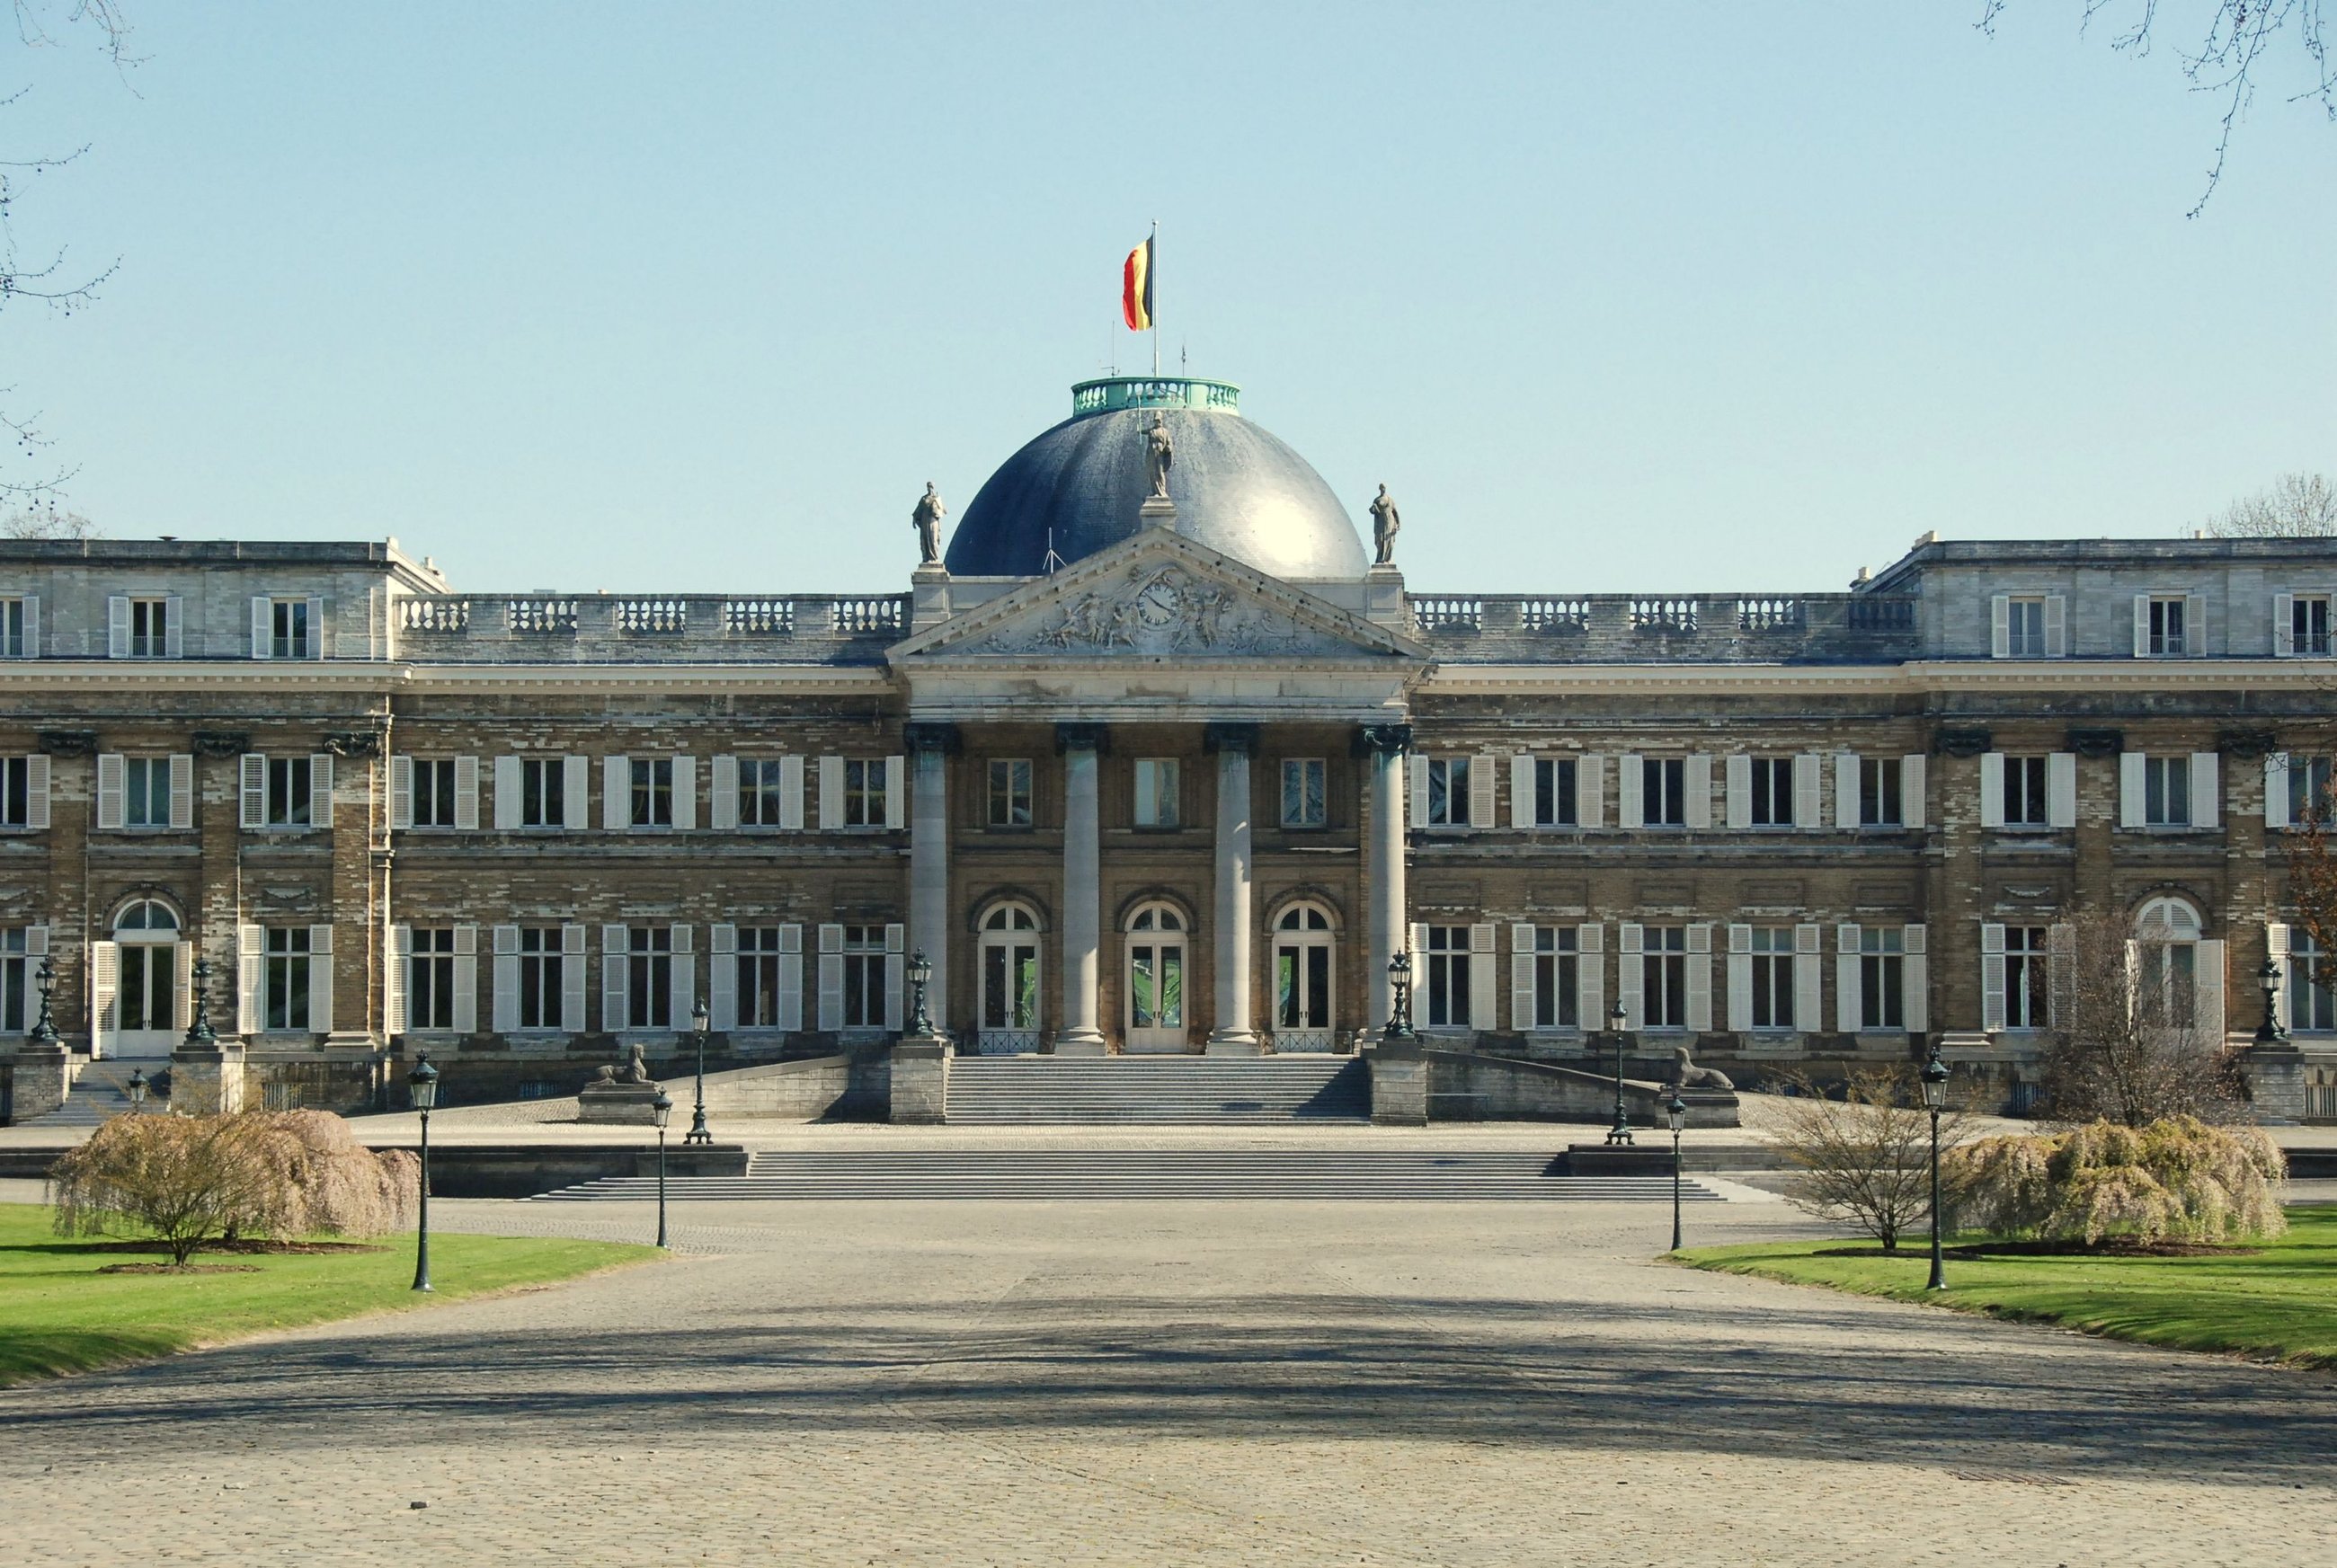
x,y
1156,594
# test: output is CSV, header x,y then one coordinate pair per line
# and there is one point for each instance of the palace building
x,y
1175,774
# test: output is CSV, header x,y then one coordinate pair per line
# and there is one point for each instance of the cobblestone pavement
x,y
1201,1383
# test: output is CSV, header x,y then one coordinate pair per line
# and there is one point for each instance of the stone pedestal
x,y
207,1080
1158,511
618,1105
2275,1077
1399,1083
38,1077
1383,602
920,1077
929,597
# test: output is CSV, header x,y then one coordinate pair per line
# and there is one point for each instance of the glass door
x,y
1155,980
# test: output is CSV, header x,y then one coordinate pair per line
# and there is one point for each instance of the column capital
x,y
1220,734
1081,736
932,735
1391,739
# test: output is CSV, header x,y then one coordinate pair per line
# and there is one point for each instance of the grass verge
x,y
2278,1303
59,1315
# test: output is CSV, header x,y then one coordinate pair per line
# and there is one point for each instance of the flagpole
x,y
1152,258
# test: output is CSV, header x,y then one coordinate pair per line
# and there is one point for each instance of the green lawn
x,y
58,1314
2279,1303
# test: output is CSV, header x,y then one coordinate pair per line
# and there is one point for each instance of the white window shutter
x,y
36,791
1991,789
182,983
616,943
2195,626
1590,791
681,997
1521,791
2276,945
503,1006
1912,790
1521,978
1630,974
1482,771
722,975
2056,625
2000,627
1991,978
1809,810
508,785
1591,976
32,626
398,980
320,789
2206,790
321,979
1845,790
117,626
831,793
2283,624
1482,985
1415,788
466,793
1740,978
1740,790
2209,982
401,792
791,792
1846,987
576,790
831,978
317,636
1699,977
465,1010
1628,776
2276,809
791,988
104,985
896,791
685,793
572,989
1809,968
2060,973
2142,626
1699,790
260,608
616,793
111,773
896,941
183,790
252,791
722,794
2061,789
1916,978
2131,797
174,628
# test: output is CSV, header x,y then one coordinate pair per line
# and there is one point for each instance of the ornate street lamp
x,y
422,1083
920,975
44,1030
1675,1113
1399,1023
198,1031
1620,1133
1935,1099
699,1132
662,1109
136,1090
2269,1032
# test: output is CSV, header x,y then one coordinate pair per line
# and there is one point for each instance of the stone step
x,y
96,1097
1031,1091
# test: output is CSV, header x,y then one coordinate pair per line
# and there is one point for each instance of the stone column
x,y
1231,1034
1384,747
1082,920
930,745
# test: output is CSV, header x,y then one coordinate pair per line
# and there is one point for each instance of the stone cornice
x,y
398,679
1915,678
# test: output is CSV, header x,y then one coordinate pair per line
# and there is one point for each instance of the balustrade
x,y
541,615
758,617
1448,614
1554,614
418,613
855,616
1664,614
1769,615
653,616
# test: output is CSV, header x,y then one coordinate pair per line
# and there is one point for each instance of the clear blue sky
x,y
1612,296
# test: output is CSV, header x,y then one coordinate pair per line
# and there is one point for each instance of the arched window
x,y
2168,967
1156,979
1303,965
1008,1004
149,919
139,980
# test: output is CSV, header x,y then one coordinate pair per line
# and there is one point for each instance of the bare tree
x,y
2133,1041
1865,1158
43,518
2293,506
2235,45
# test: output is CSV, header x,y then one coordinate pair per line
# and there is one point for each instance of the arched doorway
x,y
1007,1010
139,981
1156,979
2178,977
1303,964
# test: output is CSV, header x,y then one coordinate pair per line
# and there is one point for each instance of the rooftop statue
x,y
1384,524
1158,453
927,520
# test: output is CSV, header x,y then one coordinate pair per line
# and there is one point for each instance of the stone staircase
x,y
97,1096
1144,1176
1027,1091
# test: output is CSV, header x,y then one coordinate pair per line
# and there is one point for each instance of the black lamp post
x,y
2269,1032
423,1083
920,975
699,1132
1399,1023
1675,1113
662,1109
1620,1133
44,1030
1935,1099
198,1031
136,1090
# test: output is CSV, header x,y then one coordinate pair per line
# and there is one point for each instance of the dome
x,y
1237,488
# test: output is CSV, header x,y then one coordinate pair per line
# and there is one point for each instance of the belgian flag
x,y
1136,287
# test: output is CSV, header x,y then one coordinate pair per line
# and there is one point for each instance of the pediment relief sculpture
x,y
1156,606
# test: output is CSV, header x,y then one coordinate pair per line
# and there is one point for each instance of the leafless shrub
x,y
2177,1179
2295,506
45,520
2132,1044
1865,1158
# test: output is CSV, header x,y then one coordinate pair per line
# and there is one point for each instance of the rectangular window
x,y
649,976
1010,792
12,629
1663,978
434,792
1156,792
2308,787
1448,792
2311,1007
1881,978
2308,623
1773,977
1557,979
653,789
759,977
2168,637
1878,793
541,973
1663,792
863,977
2025,627
1773,792
2024,791
2028,979
1304,794
146,792
15,791
1446,982
150,627
17,971
286,1003
430,980
1555,803
758,792
2166,792
542,793
287,792
288,628
865,785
